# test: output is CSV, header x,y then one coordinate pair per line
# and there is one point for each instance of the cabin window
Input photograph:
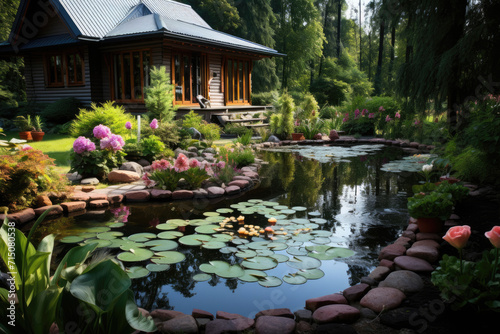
x,y
131,75
237,81
65,69
189,76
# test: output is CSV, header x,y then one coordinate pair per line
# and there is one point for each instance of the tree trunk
x,y
339,20
393,45
370,55
378,74
360,35
327,11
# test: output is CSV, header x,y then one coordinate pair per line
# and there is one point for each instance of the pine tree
x,y
159,95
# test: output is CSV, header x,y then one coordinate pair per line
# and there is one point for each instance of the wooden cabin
x,y
99,50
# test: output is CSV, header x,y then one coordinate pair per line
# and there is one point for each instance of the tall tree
x,y
221,15
339,22
257,19
378,73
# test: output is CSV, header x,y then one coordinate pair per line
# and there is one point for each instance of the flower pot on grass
x,y
37,135
26,135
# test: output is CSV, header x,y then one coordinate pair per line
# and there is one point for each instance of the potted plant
x,y
37,134
430,210
25,126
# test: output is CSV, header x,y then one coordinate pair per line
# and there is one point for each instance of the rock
x,y
336,313
219,326
143,163
123,176
228,316
97,196
403,241
427,253
195,134
333,328
98,204
392,251
367,313
413,264
73,206
414,144
79,197
315,303
192,149
93,181
232,190
74,177
427,243
303,327
214,192
412,227
239,183
182,194
54,210
165,315
398,318
387,263
252,175
241,177
191,154
406,281
356,292
409,234
202,323
382,299
303,315
115,199
379,273
200,193
273,139
184,324
210,150
197,313
160,194
132,167
23,216
333,135
43,200
137,196
277,312
429,236
368,280
273,325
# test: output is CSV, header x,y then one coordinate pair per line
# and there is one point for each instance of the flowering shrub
x,y
112,142
154,124
82,144
101,131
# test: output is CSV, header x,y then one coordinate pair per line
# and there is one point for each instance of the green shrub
x,y
310,108
169,133
159,98
133,150
113,116
472,165
310,128
238,157
62,111
235,129
328,112
330,91
265,99
192,120
282,122
210,132
152,147
363,126
245,139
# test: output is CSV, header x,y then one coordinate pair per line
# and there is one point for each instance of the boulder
x,y
239,183
379,273
133,167
232,190
97,196
184,324
412,227
137,196
273,139
123,176
160,194
23,216
409,234
43,200
143,162
315,303
219,326
303,315
54,210
214,192
391,252
382,299
115,199
429,236
92,181
98,204
356,292
413,264
427,253
79,197
88,188
200,193
273,325
406,281
336,313
182,194
73,206
277,312
427,243
164,315
387,263
228,316
197,313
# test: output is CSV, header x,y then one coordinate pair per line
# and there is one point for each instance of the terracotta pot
x,y
430,225
26,135
298,136
37,136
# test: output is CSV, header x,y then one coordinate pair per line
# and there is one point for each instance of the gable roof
x,y
100,20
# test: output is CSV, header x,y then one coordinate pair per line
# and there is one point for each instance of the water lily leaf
x,y
254,200
299,208
137,272
161,245
277,246
302,237
168,257
228,250
300,221
321,233
178,222
296,251
288,212
153,267
281,258
202,277
248,253
260,263
71,239
268,203
311,273
170,235
304,262
128,244
222,237
117,243
211,214
87,235
252,275
207,229
276,215
270,282
224,210
321,240
314,214
264,252
135,255
214,244
109,235
194,239
222,269
141,237
239,241
320,221
166,227
100,243
330,253
200,222
281,207
294,243
116,225
258,245
98,229
294,279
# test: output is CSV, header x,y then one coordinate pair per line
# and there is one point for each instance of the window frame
x,y
204,74
64,66
131,70
233,83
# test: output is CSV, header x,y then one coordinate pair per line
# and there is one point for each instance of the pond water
x,y
363,207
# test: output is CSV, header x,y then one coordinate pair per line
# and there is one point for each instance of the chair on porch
x,y
203,101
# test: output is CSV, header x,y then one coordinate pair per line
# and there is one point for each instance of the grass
x,y
55,146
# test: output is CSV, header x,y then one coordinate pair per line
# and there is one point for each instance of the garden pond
x,y
335,207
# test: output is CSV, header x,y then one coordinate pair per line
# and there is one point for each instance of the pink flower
x,y
364,112
297,123
181,163
128,126
193,163
388,119
113,142
154,124
221,164
147,181
371,115
494,236
345,119
397,115
26,147
356,113
381,109
101,131
417,122
82,144
160,164
457,236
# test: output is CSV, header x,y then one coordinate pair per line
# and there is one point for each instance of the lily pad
x,y
228,250
239,241
281,207
222,237
109,235
277,246
328,253
270,282
294,279
252,275
207,229
311,273
161,245
137,272
321,240
97,229
314,214
168,257
194,239
296,251
153,267
299,208
264,252
128,244
222,269
100,243
116,225
72,239
214,244
170,235
258,245
320,221
254,200
321,233
166,227
141,237
288,211
211,214
202,277
248,253
304,262
281,258
260,263
224,210
135,255
178,222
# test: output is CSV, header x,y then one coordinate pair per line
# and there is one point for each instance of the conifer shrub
x,y
159,96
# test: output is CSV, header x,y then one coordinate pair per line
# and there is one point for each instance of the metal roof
x,y
44,41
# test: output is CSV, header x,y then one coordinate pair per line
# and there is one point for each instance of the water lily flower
x,y
427,168
457,236
154,124
240,218
27,147
269,229
242,230
494,236
272,221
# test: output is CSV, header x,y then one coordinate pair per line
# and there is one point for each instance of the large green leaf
x,y
134,317
41,311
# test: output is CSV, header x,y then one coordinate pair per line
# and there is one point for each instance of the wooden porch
x,y
249,116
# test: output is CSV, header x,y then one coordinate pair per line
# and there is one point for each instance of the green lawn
x,y
55,146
